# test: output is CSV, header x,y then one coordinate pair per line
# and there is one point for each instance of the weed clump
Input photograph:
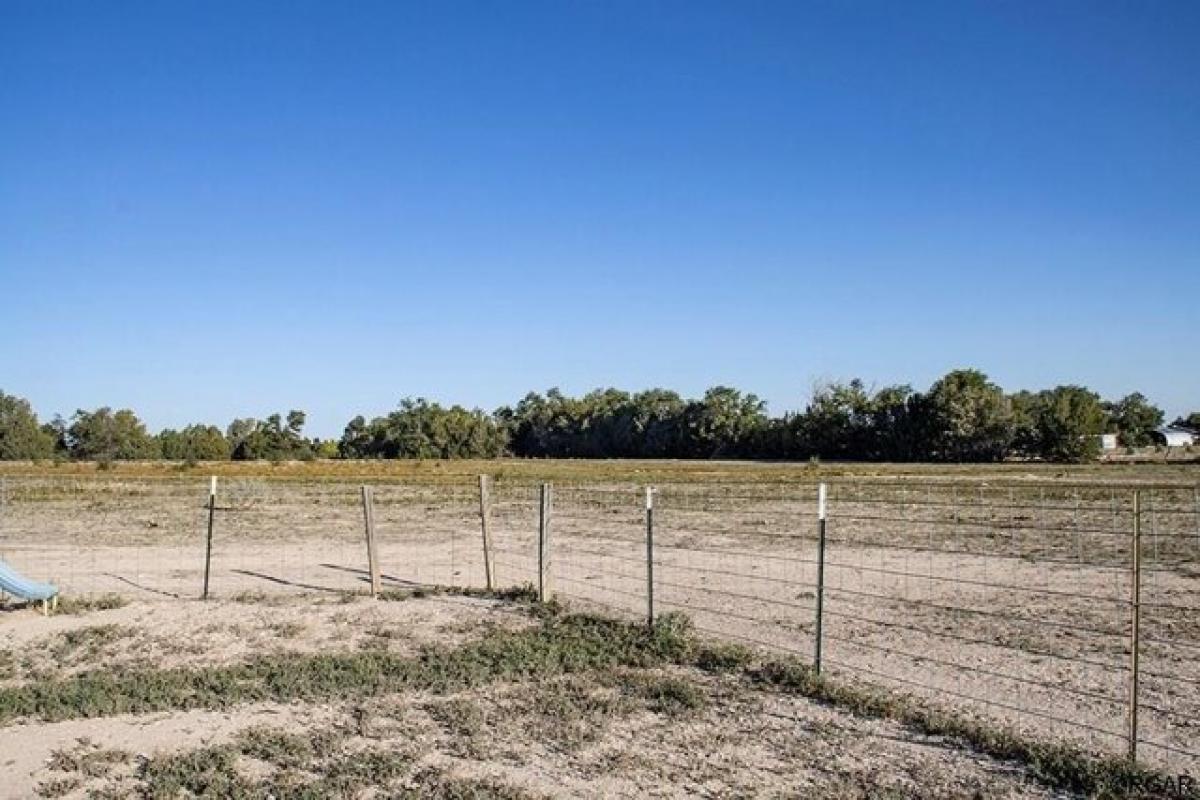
x,y
722,658
524,593
86,641
436,785
84,605
275,746
667,694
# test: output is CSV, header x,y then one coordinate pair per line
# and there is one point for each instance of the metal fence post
x,y
368,503
1196,511
821,494
212,507
544,543
1135,604
489,564
650,556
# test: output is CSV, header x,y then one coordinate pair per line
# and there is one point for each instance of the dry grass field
x,y
441,696
996,597
604,471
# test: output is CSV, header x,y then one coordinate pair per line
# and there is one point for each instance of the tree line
x,y
962,417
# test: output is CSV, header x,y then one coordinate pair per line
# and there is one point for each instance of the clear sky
x,y
211,210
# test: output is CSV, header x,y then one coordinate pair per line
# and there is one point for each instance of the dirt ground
x,y
164,634
571,736
1009,604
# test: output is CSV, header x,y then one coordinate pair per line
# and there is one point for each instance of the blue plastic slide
x,y
12,582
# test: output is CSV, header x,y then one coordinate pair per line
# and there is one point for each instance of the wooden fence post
x,y
489,563
819,632
368,502
544,543
650,556
212,507
1135,608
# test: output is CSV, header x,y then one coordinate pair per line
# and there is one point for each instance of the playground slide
x,y
12,582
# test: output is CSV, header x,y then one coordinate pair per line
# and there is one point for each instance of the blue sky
x,y
213,210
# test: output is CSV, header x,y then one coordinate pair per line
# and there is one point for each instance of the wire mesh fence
x,y
112,535
1015,602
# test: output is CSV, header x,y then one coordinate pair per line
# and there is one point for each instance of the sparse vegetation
x,y
86,605
85,642
590,671
280,747
568,643
88,759
666,694
1058,765
435,785
525,593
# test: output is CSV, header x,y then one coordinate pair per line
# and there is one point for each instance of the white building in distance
x,y
1173,436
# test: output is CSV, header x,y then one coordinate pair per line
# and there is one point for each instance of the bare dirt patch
x,y
168,634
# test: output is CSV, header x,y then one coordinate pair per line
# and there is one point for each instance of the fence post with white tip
x,y
212,508
819,633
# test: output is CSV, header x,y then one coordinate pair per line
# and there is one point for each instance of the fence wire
x,y
1010,601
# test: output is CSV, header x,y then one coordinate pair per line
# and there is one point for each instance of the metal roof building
x,y
1173,436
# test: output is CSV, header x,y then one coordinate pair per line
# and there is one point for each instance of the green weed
x,y
85,605
436,785
1058,765
666,694
86,642
563,644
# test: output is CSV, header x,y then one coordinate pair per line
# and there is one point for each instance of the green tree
x,y
722,424
107,435
1067,423
356,441
847,421
894,417
1026,440
56,431
21,437
969,418
194,443
832,426
547,426
655,421
273,439
421,429
324,448
238,432
1134,419
1191,421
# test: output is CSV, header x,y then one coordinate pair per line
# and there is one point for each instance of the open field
x,y
1003,595
603,470
453,697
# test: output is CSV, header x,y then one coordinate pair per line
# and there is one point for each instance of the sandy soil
x,y
575,736
163,634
